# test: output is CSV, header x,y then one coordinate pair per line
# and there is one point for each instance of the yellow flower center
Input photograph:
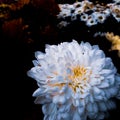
x,y
78,72
77,75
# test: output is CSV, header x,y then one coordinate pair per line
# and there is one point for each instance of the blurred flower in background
x,y
116,1
115,39
90,13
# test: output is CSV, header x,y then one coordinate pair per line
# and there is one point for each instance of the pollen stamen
x,y
78,76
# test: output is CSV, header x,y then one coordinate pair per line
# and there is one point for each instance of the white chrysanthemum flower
x,y
76,81
73,17
78,11
91,21
84,17
64,13
99,17
115,10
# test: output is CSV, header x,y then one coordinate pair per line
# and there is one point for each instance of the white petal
x,y
118,94
96,90
92,115
82,102
63,89
76,116
39,91
76,95
46,117
76,102
117,78
87,100
49,109
110,79
95,81
59,116
59,99
95,107
107,94
42,100
103,85
113,91
98,97
53,116
65,108
98,64
96,47
87,46
110,104
35,62
81,110
37,74
102,106
91,99
39,55
100,116
108,63
100,54
86,60
89,107
65,116
106,72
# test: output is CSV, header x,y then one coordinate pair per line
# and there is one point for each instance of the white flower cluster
x,y
116,1
76,81
88,12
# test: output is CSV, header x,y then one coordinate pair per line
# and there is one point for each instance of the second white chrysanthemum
x,y
76,81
